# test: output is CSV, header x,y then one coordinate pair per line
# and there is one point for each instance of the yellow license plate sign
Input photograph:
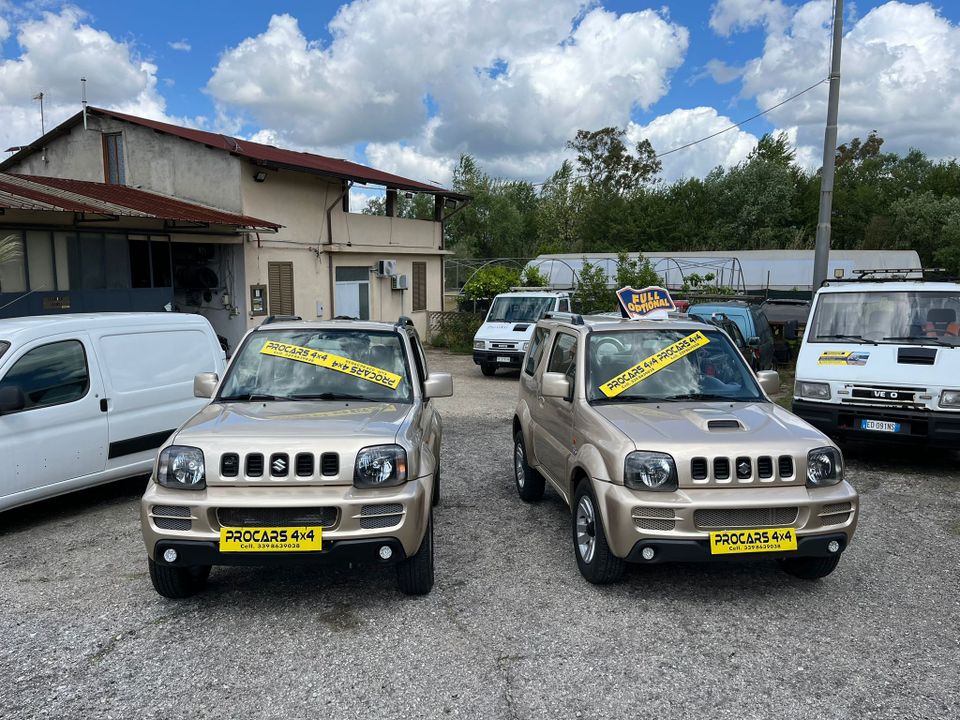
x,y
271,539
735,542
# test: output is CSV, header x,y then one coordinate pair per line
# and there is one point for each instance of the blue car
x,y
752,323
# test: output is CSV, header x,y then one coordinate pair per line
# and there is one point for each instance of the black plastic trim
x,y
203,552
699,550
139,443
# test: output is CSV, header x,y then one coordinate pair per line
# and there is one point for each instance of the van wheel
x,y
415,574
529,482
488,369
596,561
810,568
177,583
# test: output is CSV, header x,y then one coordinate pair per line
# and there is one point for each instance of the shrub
x,y
490,281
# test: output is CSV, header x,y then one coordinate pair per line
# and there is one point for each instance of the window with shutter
x,y
280,288
419,286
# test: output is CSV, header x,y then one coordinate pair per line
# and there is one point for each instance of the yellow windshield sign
x,y
333,362
653,364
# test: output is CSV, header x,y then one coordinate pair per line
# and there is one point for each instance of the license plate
x,y
503,358
735,542
881,425
271,539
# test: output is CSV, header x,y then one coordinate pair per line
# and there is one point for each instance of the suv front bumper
x,y
495,357
916,425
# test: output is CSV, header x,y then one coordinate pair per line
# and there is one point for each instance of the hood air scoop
x,y
730,424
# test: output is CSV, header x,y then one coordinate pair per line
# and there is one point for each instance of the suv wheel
x,y
488,369
529,481
596,561
810,568
177,583
415,574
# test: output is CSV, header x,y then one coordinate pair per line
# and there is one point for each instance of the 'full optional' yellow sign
x,y
653,364
333,362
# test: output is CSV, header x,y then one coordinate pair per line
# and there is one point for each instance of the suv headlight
x,y
479,344
950,398
380,466
824,467
814,390
644,470
181,467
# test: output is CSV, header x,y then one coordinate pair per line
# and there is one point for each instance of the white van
x,y
881,361
86,399
502,339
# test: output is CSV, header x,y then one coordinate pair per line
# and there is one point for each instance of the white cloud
x,y
727,16
407,161
4,29
180,45
56,51
900,75
507,80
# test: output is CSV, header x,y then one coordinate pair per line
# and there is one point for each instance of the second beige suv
x,y
320,443
666,447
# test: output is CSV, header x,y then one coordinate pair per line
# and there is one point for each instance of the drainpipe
x,y
339,198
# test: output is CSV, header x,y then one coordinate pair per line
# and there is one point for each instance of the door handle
x,y
103,404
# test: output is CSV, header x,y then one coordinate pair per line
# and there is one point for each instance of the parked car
x,y
320,444
503,337
787,318
881,361
666,447
87,399
721,321
753,324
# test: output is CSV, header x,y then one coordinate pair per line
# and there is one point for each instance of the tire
x,y
596,561
810,568
435,499
528,481
415,574
488,369
178,583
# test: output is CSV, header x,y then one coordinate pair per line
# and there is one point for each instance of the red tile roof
x,y
31,192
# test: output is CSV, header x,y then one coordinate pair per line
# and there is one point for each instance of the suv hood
x,y
761,426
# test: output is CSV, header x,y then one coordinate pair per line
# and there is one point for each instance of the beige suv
x,y
320,443
666,447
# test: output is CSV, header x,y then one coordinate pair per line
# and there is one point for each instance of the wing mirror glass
x,y
769,381
12,399
438,385
753,341
205,384
555,385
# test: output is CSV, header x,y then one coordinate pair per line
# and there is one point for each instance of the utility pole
x,y
822,253
43,129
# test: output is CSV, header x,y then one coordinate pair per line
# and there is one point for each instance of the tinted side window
x,y
537,345
564,305
419,359
763,325
51,374
563,359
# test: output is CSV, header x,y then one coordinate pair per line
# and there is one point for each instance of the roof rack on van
x,y
894,275
545,288
270,319
574,318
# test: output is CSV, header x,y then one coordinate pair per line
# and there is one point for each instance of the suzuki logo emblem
x,y
279,465
743,468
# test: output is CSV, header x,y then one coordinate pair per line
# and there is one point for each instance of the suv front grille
x,y
330,464
835,513
279,517
654,518
765,467
230,465
739,518
721,468
373,517
698,468
304,467
785,465
172,517
255,465
742,470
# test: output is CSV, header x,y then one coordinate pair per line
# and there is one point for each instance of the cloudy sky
x,y
409,85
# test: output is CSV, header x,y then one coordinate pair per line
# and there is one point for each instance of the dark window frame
x,y
418,294
86,367
109,139
533,359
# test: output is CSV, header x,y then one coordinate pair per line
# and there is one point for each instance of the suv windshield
x,y
311,364
666,365
519,309
902,317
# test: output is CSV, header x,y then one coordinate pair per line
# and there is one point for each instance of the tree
x,y
417,207
490,281
607,163
773,149
592,294
532,277
636,273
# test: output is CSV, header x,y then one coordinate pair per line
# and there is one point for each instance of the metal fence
x,y
453,330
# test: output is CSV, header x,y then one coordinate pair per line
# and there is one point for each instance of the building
x,y
112,192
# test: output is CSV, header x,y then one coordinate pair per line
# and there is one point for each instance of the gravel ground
x,y
510,629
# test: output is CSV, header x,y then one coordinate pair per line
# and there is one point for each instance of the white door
x,y
60,434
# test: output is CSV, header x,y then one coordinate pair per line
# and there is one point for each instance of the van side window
x,y
564,305
537,345
51,374
563,359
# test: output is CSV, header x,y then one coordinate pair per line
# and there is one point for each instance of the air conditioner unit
x,y
399,282
386,268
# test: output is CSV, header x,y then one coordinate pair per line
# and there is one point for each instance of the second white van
x,y
88,398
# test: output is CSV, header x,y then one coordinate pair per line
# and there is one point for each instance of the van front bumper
x,y
495,357
915,425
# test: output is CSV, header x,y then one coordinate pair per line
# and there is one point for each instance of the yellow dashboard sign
x,y
344,365
653,364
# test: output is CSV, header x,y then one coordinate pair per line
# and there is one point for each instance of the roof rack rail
x,y
270,319
543,288
894,275
574,318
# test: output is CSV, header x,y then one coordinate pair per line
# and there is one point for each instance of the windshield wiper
x,y
860,338
326,396
707,396
920,340
625,399
252,397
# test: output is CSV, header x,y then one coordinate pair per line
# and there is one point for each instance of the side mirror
x,y
438,385
556,385
769,381
205,384
753,341
12,399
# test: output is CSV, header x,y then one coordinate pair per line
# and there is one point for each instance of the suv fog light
x,y
647,553
385,552
833,546
170,555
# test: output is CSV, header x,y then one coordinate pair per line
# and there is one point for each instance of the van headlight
x,y
812,390
525,346
950,398
644,470
181,467
824,467
479,344
380,466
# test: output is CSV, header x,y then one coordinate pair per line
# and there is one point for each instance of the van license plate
x,y
271,539
881,425
735,542
503,358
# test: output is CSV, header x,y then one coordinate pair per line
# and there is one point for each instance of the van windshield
x,y
312,364
898,317
519,309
